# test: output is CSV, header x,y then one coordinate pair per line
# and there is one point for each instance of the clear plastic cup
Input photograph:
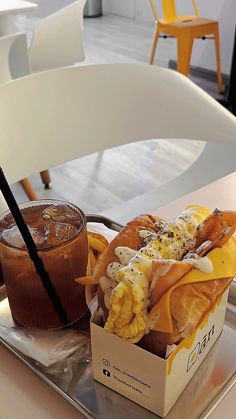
x,y
60,233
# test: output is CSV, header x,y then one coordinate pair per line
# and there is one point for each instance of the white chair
x,y
67,113
15,63
57,42
13,53
57,39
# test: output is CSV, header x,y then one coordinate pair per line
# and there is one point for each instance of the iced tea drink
x,y
59,231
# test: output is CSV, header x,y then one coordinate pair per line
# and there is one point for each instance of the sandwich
x,y
158,280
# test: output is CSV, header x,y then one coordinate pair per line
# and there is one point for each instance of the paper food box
x,y
152,381
146,379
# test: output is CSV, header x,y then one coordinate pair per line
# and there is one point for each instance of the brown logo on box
x,y
200,348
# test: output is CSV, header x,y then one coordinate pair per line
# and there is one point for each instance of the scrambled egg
x,y
129,300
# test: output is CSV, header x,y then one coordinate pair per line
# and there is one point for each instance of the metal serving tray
x,y
212,381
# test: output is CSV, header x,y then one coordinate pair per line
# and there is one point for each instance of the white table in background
x,y
220,194
10,7
23,395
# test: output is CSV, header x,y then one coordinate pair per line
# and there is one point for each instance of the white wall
x,y
203,52
120,7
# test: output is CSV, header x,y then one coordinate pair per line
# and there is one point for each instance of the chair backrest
x,y
57,40
55,116
169,11
14,57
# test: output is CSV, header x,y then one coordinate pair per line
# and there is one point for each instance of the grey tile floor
x,y
95,182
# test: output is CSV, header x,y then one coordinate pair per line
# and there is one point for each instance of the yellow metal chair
x,y
185,29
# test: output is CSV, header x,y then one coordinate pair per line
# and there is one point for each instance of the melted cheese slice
x,y
224,266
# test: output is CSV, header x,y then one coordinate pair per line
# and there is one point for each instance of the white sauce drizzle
x,y
160,224
203,264
107,285
147,235
124,254
112,269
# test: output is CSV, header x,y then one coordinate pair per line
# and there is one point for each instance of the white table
x,y
220,194
23,395
9,8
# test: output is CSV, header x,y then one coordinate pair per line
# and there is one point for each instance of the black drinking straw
x,y
32,249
